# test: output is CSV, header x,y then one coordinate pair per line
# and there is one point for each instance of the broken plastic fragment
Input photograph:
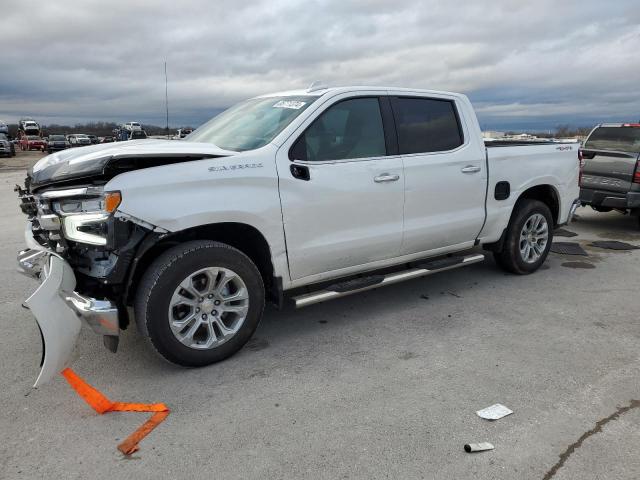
x,y
494,412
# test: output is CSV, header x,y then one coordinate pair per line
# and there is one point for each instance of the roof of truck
x,y
319,91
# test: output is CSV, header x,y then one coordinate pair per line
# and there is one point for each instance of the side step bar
x,y
349,287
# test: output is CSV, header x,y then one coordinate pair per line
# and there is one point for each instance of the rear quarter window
x,y
426,125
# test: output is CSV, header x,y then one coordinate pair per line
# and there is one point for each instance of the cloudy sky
x,y
524,64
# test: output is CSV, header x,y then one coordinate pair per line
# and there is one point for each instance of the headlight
x,y
88,228
85,216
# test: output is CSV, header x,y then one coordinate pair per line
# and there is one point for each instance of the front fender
x,y
239,189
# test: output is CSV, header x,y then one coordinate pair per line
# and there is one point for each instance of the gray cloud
x,y
522,63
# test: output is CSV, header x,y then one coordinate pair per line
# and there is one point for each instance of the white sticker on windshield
x,y
294,104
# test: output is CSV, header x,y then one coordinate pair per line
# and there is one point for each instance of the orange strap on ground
x,y
102,404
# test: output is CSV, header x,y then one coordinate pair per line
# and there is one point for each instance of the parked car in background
x,y
137,135
78,140
32,142
306,195
131,126
29,126
610,168
93,138
4,128
7,147
183,132
57,142
107,139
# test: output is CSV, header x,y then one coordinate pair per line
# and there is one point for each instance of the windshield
x,y
56,137
619,139
31,137
251,124
3,136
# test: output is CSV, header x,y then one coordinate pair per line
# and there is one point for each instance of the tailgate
x,y
611,171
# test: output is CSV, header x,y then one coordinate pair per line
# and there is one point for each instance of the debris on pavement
x,y
102,404
568,248
478,447
613,245
494,412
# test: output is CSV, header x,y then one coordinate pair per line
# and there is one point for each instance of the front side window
x,y
426,125
347,130
251,124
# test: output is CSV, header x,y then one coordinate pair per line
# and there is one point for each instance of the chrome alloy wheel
x,y
208,308
533,238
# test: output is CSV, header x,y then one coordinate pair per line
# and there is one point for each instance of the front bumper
x,y
602,198
60,311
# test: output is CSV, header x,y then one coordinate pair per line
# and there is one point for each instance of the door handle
x,y
470,169
386,177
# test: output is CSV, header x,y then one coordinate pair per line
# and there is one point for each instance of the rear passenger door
x,y
445,175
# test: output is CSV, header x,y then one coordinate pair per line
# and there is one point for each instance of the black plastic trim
x,y
389,125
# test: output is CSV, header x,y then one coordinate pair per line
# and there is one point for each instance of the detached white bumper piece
x,y
59,310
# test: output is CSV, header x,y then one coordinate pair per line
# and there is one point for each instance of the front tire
x,y
528,239
200,302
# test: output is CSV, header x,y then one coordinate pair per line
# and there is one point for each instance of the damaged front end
x,y
60,310
81,246
81,250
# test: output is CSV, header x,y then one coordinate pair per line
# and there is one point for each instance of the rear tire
x,y
528,239
183,323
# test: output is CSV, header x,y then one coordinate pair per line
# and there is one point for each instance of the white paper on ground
x,y
494,412
478,447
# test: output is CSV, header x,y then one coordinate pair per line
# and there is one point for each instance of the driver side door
x,y
341,192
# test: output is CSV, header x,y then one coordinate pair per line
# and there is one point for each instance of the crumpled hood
x,y
94,160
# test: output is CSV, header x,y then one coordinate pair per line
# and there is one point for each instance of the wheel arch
x,y
546,194
246,238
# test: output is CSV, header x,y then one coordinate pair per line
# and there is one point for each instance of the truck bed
x,y
516,143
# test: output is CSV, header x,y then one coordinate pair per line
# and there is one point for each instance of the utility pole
x,y
166,96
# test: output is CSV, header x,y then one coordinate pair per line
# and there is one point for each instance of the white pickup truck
x,y
298,197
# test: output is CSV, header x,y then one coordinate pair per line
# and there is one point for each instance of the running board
x,y
356,285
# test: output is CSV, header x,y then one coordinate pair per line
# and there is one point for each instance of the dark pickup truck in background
x,y
610,173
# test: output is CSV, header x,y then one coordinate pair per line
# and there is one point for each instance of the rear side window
x,y
347,130
619,139
426,125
